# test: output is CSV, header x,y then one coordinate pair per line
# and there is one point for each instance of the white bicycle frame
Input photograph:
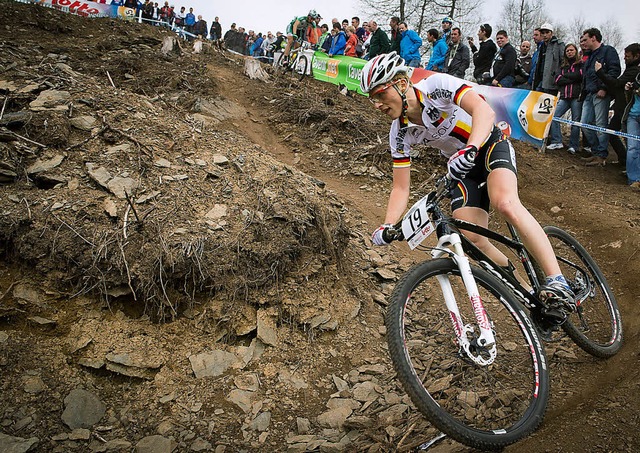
x,y
446,245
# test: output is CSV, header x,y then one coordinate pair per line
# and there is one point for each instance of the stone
x,y
40,166
162,163
122,187
220,160
303,424
200,445
110,207
80,434
122,148
217,212
334,418
11,444
84,122
26,293
267,330
241,398
261,422
83,409
51,100
247,382
155,444
212,364
142,365
365,391
100,175
33,384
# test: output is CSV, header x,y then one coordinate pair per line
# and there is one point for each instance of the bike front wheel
x,y
486,407
596,325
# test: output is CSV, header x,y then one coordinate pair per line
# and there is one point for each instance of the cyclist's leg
x,y
480,217
502,185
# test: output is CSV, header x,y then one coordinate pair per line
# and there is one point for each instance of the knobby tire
x,y
486,407
596,326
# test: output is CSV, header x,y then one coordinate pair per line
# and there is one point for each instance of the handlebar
x,y
442,188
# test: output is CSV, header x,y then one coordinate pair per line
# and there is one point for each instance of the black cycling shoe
x,y
558,295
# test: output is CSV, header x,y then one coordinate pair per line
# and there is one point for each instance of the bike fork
x,y
486,339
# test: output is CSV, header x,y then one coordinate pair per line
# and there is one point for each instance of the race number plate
x,y
416,224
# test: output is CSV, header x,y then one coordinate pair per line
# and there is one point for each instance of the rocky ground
x,y
186,263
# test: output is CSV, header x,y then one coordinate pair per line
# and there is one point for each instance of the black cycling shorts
x,y
472,191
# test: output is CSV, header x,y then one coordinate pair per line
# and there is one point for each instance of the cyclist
x,y
439,111
297,28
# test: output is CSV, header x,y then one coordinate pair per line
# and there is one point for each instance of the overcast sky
x,y
263,16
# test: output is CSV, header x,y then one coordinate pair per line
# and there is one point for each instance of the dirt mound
x,y
138,185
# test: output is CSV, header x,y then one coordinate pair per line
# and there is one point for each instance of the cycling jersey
x,y
302,27
447,127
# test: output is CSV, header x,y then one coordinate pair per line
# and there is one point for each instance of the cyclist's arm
x,y
399,196
482,115
294,27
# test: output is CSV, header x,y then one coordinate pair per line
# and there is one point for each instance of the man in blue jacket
x,y
595,107
410,43
438,50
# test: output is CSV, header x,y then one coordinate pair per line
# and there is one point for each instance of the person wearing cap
x,y
483,56
447,23
550,56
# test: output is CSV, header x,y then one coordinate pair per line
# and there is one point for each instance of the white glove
x,y
462,162
377,237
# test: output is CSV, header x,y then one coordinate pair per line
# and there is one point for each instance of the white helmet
x,y
380,70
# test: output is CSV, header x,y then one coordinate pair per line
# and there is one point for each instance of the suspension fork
x,y
486,338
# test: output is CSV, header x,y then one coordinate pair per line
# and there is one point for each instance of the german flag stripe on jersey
x,y
490,150
402,162
461,131
460,92
463,191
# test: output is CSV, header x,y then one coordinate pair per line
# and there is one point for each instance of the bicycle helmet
x,y
313,14
380,70
447,19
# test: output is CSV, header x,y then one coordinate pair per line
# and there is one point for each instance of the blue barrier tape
x,y
597,128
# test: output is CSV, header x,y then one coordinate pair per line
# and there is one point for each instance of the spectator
x,y
410,44
178,20
569,81
360,35
438,50
215,33
189,20
458,58
200,28
633,127
595,109
339,41
165,13
396,36
367,31
537,41
156,13
326,39
130,3
447,23
279,43
256,47
379,40
345,24
147,11
550,56
352,42
265,49
523,65
483,56
615,87
503,69
230,37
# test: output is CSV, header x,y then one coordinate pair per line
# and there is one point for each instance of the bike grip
x,y
471,154
391,234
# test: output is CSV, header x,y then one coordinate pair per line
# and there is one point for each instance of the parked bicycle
x,y
464,347
296,62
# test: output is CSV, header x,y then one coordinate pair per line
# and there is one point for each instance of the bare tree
x,y
572,31
520,17
612,33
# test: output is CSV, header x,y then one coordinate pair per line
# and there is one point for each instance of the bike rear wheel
x,y
596,326
485,407
301,66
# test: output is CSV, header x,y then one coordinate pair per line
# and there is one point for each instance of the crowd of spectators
x,y
587,78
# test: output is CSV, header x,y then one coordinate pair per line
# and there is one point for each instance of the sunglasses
x,y
376,98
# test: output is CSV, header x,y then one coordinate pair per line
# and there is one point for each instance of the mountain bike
x,y
466,339
296,62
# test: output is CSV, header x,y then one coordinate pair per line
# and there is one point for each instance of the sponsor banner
x,y
522,114
90,8
339,70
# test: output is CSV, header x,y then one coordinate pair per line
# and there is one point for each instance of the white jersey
x,y
446,125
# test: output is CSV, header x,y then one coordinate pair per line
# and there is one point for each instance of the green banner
x,y
338,70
